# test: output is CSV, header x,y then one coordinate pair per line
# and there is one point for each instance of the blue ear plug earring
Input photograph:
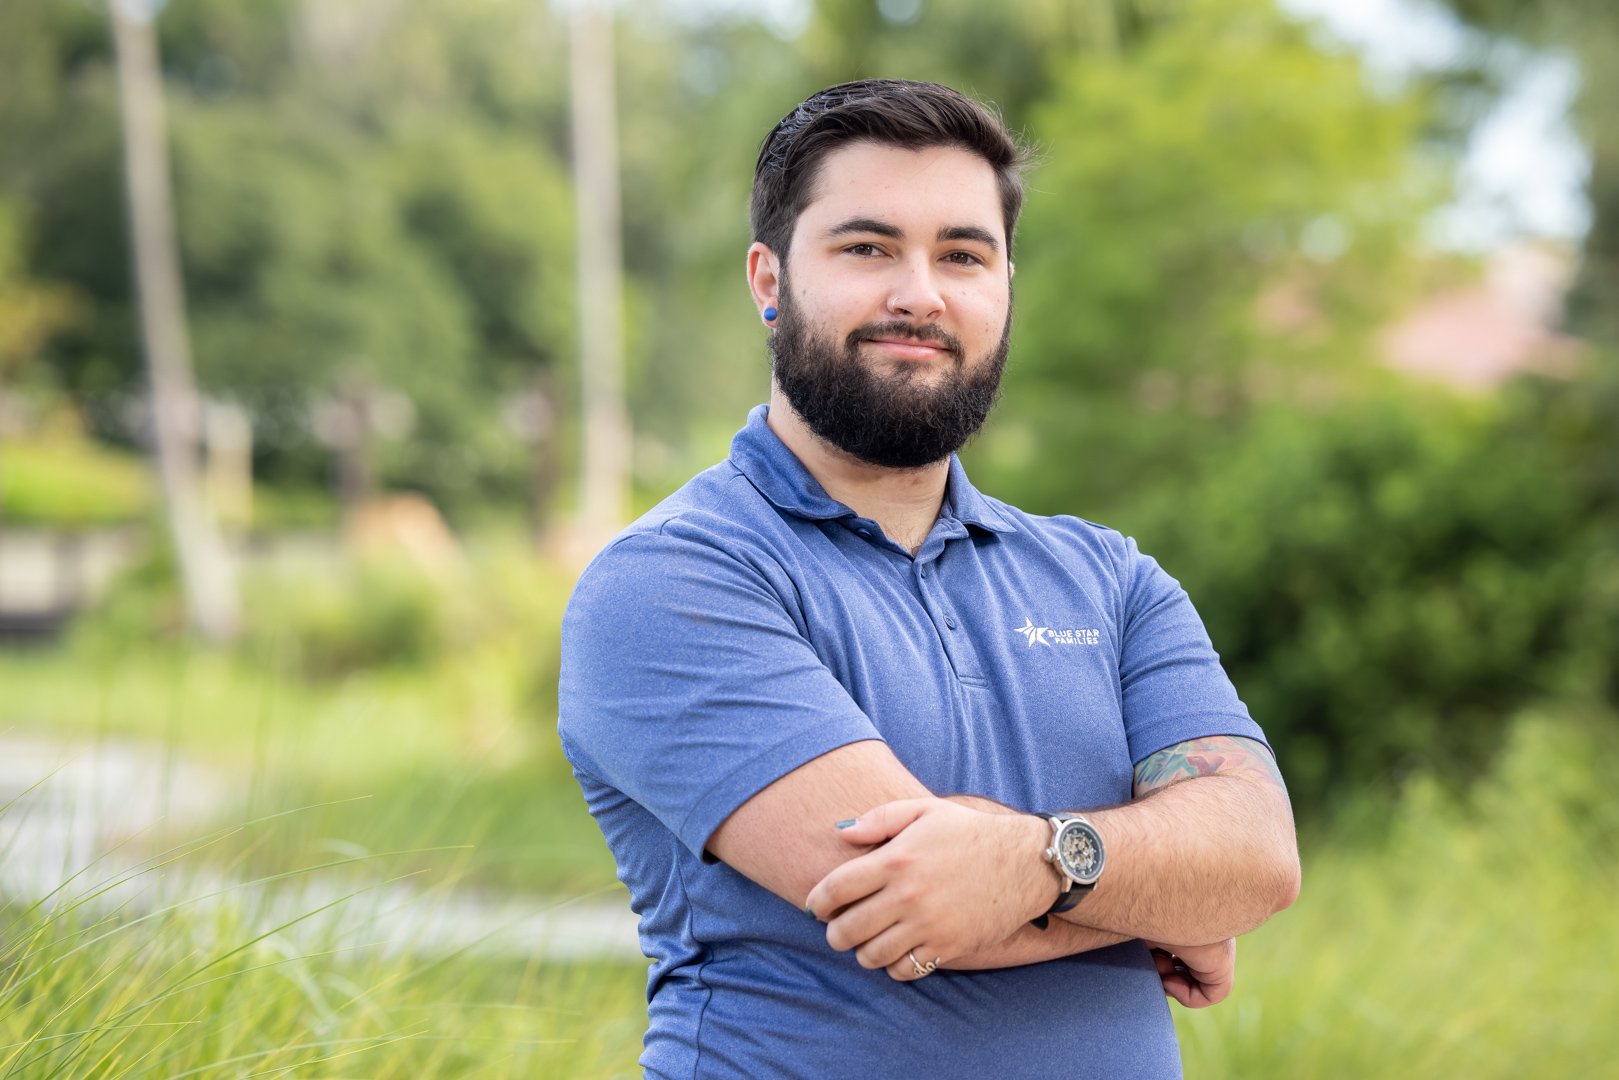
x,y
770,314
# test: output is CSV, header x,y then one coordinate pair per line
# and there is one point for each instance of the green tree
x,y
29,310
1389,581
368,194
1222,217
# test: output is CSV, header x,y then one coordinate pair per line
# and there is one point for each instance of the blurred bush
x,y
368,614
1391,579
141,608
327,622
329,615
68,481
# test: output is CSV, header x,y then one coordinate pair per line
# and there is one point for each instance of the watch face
x,y
1079,848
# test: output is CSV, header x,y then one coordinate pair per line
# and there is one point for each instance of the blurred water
x,y
76,826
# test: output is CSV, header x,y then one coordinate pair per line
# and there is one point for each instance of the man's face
x,y
895,316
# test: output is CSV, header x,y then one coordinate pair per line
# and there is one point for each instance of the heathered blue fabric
x,y
749,624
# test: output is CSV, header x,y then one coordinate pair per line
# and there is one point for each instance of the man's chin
x,y
923,377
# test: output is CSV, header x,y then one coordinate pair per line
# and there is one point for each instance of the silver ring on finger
x,y
920,968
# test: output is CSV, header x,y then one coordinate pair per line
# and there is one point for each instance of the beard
x,y
890,414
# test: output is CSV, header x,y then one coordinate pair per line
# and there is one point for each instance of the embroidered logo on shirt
x,y
1035,634
1045,635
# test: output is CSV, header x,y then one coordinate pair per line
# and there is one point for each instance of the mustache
x,y
929,334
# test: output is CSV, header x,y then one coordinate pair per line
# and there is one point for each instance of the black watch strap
x,y
1067,900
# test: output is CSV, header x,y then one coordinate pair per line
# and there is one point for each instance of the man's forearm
x,y
1193,862
1197,861
1031,946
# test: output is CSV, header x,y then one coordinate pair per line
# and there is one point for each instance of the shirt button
x,y
924,571
950,621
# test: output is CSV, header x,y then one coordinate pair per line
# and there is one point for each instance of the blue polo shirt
x,y
749,624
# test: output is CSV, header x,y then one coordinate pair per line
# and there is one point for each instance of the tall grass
x,y
1449,935
125,1003
185,990
1459,927
202,965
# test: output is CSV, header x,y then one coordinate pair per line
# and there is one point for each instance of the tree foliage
x,y
360,195
1220,167
1222,215
1391,580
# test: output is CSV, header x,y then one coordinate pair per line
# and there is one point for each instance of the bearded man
x,y
902,780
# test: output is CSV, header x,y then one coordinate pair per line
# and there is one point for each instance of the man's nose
x,y
916,294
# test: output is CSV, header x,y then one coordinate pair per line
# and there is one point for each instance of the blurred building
x,y
1475,337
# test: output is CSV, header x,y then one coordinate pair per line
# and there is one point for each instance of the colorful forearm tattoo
x,y
1225,754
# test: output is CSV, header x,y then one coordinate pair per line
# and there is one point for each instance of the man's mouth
x,y
904,343
910,348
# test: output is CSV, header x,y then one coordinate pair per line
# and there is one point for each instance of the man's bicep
x,y
785,837
1225,755
687,684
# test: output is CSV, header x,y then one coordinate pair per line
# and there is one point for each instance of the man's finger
x,y
844,885
882,822
859,923
887,948
905,969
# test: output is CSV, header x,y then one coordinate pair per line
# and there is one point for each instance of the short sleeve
x,y
687,683
1171,683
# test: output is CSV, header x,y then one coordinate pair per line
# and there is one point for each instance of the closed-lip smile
x,y
910,348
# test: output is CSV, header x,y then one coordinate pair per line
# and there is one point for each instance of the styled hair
x,y
891,112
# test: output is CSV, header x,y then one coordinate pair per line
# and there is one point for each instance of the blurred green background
x,y
1370,422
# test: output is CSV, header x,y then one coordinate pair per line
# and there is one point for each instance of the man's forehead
x,y
941,187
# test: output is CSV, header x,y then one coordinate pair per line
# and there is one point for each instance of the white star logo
x,y
1035,634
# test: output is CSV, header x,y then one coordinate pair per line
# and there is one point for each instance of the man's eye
x,y
964,258
863,250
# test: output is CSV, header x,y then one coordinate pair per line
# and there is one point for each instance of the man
x,y
819,698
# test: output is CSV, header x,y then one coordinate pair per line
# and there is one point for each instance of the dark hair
x,y
893,112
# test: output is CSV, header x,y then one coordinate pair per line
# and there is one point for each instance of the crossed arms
x,y
1205,851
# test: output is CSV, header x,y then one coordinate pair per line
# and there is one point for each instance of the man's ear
x,y
764,276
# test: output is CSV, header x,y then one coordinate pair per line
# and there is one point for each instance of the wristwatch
x,y
1077,855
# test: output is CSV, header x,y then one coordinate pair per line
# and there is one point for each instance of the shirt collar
x,y
781,478
970,507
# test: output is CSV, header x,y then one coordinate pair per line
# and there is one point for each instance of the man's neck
x,y
904,502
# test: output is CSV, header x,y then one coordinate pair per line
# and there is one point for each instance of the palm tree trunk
x,y
205,568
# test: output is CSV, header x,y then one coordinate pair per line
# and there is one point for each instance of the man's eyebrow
x,y
970,232
975,233
866,225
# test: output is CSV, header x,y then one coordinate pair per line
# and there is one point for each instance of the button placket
x,y
940,605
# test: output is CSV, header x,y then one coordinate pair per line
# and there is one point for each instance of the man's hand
x,y
1197,976
947,881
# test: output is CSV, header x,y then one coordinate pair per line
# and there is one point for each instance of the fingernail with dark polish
x,y
846,824
809,911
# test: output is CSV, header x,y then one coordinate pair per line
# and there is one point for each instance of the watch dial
x,y
1080,850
